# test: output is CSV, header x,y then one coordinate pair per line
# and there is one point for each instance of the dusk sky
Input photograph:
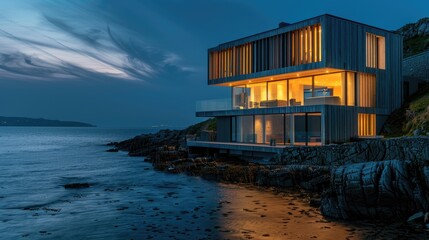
x,y
138,63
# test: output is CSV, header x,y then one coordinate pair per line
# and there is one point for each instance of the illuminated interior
x,y
324,89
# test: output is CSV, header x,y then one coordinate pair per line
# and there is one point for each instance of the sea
x,y
128,199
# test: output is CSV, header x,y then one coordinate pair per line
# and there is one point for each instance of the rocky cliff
x,y
416,37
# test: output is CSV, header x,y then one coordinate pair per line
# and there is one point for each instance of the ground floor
x,y
277,129
324,124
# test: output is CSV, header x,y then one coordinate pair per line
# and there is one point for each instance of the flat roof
x,y
291,26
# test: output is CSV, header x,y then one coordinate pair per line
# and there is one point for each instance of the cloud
x,y
53,44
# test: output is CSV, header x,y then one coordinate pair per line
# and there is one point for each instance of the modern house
x,y
319,81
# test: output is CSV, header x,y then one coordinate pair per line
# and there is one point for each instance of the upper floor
x,y
311,48
325,41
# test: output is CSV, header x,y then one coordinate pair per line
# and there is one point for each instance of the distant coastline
x,y
39,122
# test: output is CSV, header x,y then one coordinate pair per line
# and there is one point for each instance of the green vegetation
x,y
412,118
415,45
209,124
420,103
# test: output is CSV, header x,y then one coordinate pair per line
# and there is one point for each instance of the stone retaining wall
x,y
415,149
416,66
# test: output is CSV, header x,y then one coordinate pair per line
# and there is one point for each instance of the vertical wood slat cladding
x,y
366,124
346,45
367,90
340,123
268,54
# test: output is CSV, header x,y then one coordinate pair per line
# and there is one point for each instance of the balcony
x,y
221,104
226,104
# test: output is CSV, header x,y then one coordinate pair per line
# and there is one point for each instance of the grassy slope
x,y
412,115
209,124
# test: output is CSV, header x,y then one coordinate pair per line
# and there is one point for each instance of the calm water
x,y
128,199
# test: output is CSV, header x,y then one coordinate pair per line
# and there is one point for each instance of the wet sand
x,y
244,212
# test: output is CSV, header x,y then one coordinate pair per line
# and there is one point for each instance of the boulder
x,y
384,190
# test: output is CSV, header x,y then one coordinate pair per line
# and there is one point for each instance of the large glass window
x,y
328,89
351,89
277,94
300,133
299,89
278,129
259,128
239,95
314,136
257,94
307,129
288,128
341,88
274,129
245,129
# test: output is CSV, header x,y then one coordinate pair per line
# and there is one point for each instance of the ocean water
x,y
127,199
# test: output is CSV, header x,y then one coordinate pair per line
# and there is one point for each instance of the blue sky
x,y
139,63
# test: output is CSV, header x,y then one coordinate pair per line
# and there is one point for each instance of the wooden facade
x,y
372,54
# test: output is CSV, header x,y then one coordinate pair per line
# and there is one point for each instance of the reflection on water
x,y
127,199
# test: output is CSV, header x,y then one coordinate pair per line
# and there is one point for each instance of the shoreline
x,y
167,152
301,208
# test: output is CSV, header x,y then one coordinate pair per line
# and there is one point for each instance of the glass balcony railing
x,y
214,105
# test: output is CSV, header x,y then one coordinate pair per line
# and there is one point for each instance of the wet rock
x,y
417,217
76,185
383,190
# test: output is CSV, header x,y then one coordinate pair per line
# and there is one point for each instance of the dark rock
x,y
112,144
384,190
417,217
76,185
314,203
113,150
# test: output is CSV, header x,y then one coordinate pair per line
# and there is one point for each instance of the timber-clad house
x,y
319,81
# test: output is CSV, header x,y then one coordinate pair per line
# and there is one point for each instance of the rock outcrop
x,y
415,149
410,30
313,178
148,144
416,37
384,190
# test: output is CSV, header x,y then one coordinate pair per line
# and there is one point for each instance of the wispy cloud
x,y
43,42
